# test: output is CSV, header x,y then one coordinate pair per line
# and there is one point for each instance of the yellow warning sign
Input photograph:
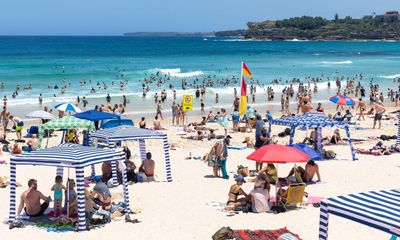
x,y
187,104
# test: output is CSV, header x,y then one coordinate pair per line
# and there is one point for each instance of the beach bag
x,y
384,137
329,154
287,131
282,134
223,234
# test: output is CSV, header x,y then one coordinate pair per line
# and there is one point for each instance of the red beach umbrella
x,y
275,153
342,100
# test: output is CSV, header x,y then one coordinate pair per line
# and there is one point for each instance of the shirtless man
x,y
156,124
308,173
5,117
147,167
379,110
159,108
31,200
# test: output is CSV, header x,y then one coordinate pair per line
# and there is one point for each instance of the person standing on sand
x,y
362,107
159,108
221,152
124,101
216,98
379,110
174,109
40,99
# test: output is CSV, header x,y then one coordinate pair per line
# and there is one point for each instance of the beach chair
x,y
295,194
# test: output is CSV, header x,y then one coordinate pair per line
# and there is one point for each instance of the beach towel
x,y
264,234
237,147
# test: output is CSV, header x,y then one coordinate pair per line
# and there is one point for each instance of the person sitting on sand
x,y
270,171
202,123
305,175
234,192
32,143
211,116
347,116
260,198
338,116
16,149
148,167
156,124
142,123
336,138
30,199
320,108
310,140
107,173
102,195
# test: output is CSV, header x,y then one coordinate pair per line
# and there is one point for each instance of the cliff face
x,y
317,28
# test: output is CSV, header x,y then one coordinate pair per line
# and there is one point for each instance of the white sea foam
x,y
177,72
390,76
338,63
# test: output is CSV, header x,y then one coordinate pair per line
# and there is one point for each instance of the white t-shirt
x,y
260,203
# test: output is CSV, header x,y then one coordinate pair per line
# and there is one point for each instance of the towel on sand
x,y
264,234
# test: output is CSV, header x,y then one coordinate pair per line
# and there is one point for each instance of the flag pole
x,y
241,85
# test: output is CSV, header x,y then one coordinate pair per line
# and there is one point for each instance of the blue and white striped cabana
x,y
376,209
131,133
313,120
66,156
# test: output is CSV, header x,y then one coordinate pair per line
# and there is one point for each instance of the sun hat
x,y
240,179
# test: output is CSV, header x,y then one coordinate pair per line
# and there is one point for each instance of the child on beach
x,y
57,188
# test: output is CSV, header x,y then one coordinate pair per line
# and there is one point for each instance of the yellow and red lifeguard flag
x,y
245,70
243,98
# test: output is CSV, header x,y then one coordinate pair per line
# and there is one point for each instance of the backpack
x,y
223,234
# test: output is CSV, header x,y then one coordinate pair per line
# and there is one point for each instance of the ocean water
x,y
43,61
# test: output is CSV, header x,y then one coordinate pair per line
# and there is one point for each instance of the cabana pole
x,y
13,185
353,154
292,131
80,186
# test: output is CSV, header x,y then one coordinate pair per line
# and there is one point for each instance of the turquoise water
x,y
41,61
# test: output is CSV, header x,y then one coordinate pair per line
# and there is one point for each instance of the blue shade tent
x,y
69,156
130,133
376,209
93,115
116,122
309,151
313,120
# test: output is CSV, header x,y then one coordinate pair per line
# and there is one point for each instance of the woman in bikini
x,y
362,107
234,192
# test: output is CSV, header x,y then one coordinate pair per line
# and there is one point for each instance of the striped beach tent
x,y
313,120
131,133
69,156
64,123
376,209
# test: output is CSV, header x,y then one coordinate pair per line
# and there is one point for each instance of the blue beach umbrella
x,y
67,107
309,151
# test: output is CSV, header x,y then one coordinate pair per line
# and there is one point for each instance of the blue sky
x,y
114,17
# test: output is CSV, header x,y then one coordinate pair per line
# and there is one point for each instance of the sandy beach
x,y
191,207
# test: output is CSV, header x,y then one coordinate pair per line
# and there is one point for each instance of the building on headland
x,y
391,16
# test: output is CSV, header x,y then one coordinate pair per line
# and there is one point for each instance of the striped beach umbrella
x,y
342,100
41,114
67,107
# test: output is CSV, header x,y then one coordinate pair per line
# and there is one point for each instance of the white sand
x,y
179,210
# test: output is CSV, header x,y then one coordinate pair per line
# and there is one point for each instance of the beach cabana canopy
x,y
70,156
65,123
93,115
131,133
376,209
313,120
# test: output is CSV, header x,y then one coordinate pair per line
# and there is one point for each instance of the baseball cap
x,y
240,178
